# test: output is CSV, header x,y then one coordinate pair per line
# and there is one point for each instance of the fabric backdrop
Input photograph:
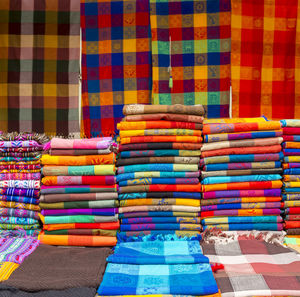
x,y
39,66
265,57
116,61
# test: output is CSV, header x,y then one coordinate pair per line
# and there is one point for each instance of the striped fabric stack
x,y
20,172
158,169
291,175
79,195
241,163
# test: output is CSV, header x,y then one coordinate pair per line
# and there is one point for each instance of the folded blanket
x,y
80,204
295,138
150,132
21,167
292,159
160,138
291,152
34,193
51,198
175,174
162,201
158,160
292,217
79,170
244,158
143,125
92,143
234,120
19,205
130,279
243,150
158,214
291,177
155,181
291,190
165,220
291,196
160,208
163,226
238,166
151,195
6,269
241,212
21,154
79,219
79,152
20,143
238,200
244,178
78,160
290,123
135,109
78,240
292,210
19,226
240,220
22,184
288,144
242,186
89,232
240,127
291,130
159,145
6,163
77,189
240,172
21,176
158,252
159,153
179,233
291,224
21,149
79,180
168,188
17,220
85,226
246,226
293,171
242,193
80,211
20,199
291,184
253,205
259,142
20,213
20,159
164,116
158,167
243,135
295,232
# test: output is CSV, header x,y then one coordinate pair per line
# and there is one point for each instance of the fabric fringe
x,y
158,237
218,236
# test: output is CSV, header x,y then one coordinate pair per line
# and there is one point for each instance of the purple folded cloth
x,y
80,211
242,193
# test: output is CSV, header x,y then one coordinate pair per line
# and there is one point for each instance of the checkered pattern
x,y
255,267
39,66
200,53
116,61
265,61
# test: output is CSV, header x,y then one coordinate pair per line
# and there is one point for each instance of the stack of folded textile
x,y
291,175
241,163
158,169
20,172
79,195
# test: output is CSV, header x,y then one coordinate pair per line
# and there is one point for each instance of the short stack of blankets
x,y
241,171
20,172
158,169
291,175
79,194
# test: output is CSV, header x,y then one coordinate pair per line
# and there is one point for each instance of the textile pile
x,y
241,171
79,195
158,169
20,172
291,176
158,267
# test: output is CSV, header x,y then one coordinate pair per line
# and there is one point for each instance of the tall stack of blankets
x,y
79,195
158,169
241,171
20,172
291,175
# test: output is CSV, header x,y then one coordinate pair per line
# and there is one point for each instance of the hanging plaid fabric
x,y
39,66
116,61
191,53
265,58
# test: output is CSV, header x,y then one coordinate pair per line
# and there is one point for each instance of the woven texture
x,y
116,61
199,53
39,66
265,58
